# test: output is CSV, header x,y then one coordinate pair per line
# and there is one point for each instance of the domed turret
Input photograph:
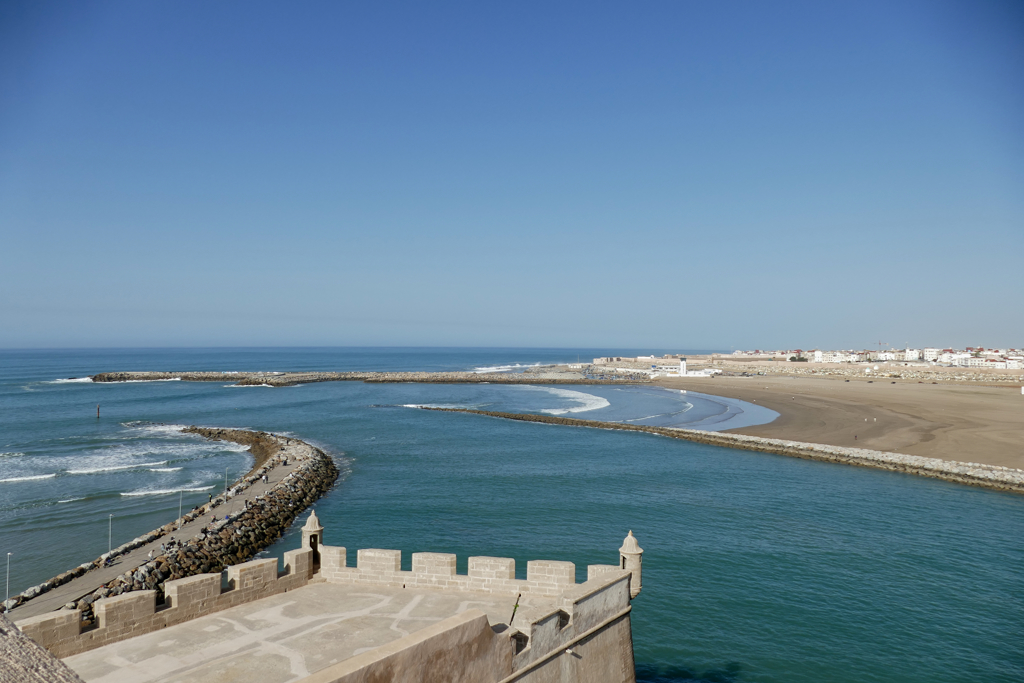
x,y
313,536
631,559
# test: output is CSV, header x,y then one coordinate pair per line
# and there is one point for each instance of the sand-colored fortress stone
x,y
454,627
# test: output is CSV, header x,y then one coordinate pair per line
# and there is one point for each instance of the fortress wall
x,y
467,648
437,570
461,649
136,612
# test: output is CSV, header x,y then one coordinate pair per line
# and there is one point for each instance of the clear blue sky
x,y
672,175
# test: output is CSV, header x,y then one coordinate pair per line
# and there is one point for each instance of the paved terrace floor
x,y
288,636
91,580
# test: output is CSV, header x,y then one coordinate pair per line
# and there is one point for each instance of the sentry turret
x,y
631,558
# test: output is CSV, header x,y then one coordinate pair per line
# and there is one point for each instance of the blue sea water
x,y
756,567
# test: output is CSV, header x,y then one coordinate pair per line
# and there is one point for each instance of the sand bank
x,y
955,422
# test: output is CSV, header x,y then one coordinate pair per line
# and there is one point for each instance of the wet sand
x,y
983,424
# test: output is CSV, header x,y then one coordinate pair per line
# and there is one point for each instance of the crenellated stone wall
x,y
137,612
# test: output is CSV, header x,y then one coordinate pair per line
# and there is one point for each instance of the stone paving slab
x,y
287,636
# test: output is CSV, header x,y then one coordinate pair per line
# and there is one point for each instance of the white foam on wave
x,y
139,381
10,455
71,380
508,368
164,469
152,428
70,500
161,492
448,406
117,468
242,386
586,402
28,478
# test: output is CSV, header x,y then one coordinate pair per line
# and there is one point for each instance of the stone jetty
x,y
974,474
286,379
252,523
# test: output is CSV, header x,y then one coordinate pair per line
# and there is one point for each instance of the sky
x,y
663,174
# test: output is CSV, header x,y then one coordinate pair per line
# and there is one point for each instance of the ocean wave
x,y
70,380
70,500
446,406
28,478
586,402
139,381
117,468
11,455
155,428
161,492
164,469
508,368
242,386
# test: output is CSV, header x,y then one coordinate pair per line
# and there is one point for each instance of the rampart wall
x,y
592,615
137,612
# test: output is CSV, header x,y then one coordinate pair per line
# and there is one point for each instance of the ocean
x,y
756,567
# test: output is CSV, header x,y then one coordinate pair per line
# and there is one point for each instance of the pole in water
x,y
97,411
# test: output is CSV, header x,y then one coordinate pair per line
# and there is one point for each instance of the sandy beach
x,y
966,423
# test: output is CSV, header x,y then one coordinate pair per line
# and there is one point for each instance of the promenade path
x,y
86,583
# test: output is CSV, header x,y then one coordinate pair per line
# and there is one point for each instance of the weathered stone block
x,y
379,561
492,567
433,564
113,613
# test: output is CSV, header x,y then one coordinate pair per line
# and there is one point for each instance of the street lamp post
x,y
225,481
110,523
179,509
8,578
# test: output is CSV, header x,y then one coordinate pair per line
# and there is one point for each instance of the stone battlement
x,y
557,614
137,612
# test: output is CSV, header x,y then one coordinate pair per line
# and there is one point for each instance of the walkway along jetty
x,y
974,474
247,523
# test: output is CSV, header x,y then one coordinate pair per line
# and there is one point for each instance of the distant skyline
x,y
672,175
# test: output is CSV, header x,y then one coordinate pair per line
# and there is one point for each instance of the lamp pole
x,y
179,509
8,578
225,481
110,522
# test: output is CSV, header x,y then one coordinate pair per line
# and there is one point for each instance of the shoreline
x,y
256,517
974,474
954,421
951,422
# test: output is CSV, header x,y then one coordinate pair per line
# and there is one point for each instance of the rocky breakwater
x,y
229,539
974,474
286,379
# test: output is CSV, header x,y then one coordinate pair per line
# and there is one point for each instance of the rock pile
x,y
233,539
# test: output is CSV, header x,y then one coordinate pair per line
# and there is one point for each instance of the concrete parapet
x,y
134,613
